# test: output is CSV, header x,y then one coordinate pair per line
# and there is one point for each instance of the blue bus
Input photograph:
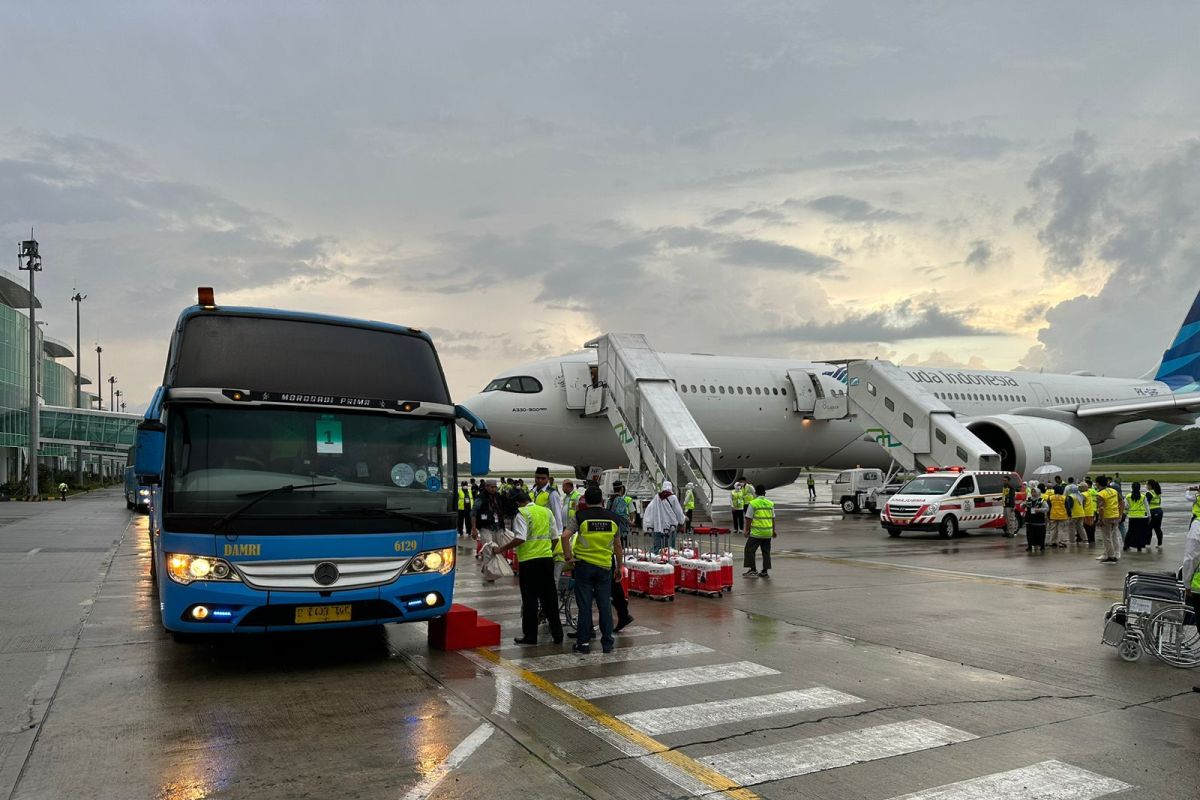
x,y
302,473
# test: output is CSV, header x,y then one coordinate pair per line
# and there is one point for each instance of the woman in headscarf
x,y
663,517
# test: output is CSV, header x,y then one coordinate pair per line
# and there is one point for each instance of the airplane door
x,y
804,398
577,378
1043,397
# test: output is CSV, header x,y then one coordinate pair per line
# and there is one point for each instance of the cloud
x,y
731,216
851,209
905,320
1123,232
773,255
980,255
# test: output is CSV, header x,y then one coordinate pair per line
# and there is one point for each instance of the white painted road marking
x,y
457,756
1049,780
632,630
666,679
789,759
718,712
568,660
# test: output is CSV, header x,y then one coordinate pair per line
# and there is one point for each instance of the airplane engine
x,y
1026,443
770,478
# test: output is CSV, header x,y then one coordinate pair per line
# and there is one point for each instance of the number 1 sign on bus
x,y
303,473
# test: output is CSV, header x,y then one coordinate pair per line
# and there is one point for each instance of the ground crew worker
x,y
619,601
1009,493
545,494
1059,518
1138,508
534,536
596,546
689,506
464,509
1189,573
1090,500
62,491
812,489
760,530
571,495
1154,495
1109,510
737,499
622,505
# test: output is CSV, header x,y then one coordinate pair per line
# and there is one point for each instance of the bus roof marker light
x,y
206,297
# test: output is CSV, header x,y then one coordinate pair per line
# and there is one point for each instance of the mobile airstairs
x,y
661,438
916,428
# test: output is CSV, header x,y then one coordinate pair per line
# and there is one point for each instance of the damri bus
x,y
303,473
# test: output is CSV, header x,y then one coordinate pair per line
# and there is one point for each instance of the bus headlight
x,y
441,560
184,568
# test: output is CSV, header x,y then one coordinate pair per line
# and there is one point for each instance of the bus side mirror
x,y
149,448
481,456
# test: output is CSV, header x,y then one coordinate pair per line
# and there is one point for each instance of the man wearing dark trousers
x,y
534,534
760,530
597,545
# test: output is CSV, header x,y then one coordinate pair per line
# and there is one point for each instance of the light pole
x,y
99,377
122,406
28,259
78,300
112,382
118,405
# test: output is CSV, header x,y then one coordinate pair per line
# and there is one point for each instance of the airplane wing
x,y
1160,408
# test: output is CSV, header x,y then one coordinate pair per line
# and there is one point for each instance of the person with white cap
x,y
663,517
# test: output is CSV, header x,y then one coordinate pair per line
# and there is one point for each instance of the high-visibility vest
x,y
558,548
1139,508
1196,507
573,500
462,499
738,499
689,501
1058,506
594,542
762,523
538,527
541,497
1110,503
1089,502
811,482
1077,509
1155,499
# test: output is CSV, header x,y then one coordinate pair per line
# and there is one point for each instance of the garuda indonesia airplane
x,y
757,411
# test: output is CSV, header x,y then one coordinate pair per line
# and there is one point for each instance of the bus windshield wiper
x,y
263,494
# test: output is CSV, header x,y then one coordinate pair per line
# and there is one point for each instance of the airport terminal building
x,y
68,423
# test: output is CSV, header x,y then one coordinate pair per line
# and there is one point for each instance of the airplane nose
x,y
482,407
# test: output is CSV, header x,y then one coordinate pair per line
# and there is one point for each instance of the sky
x,y
999,185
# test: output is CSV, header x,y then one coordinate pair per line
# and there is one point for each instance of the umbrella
x,y
1047,469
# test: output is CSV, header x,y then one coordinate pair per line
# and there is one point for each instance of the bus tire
x,y
948,528
849,505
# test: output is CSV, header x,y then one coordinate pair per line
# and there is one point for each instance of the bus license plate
x,y
308,614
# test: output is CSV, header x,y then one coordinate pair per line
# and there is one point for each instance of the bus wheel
x,y
949,527
849,505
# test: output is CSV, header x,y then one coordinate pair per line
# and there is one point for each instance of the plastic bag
x,y
496,566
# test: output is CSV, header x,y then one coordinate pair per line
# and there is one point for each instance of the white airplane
x,y
747,407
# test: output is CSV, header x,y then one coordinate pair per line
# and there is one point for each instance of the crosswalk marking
x,y
1049,780
632,630
789,759
673,719
640,653
665,679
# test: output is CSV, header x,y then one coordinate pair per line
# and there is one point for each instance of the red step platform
x,y
463,629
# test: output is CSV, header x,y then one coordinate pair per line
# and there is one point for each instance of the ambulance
x,y
950,501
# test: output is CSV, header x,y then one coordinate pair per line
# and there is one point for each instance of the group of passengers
x,y
1074,512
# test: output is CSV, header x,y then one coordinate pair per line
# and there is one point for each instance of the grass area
x,y
1164,473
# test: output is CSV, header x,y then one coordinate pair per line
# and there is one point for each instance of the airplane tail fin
x,y
1180,365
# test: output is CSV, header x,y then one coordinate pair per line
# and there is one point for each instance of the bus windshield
x,y
394,468
928,485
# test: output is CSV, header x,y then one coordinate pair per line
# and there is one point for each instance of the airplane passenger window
x,y
887,401
757,390
783,391
683,388
702,389
774,390
739,390
749,390
712,389
693,388
722,388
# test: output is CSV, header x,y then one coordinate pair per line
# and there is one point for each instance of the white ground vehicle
x,y
855,490
950,501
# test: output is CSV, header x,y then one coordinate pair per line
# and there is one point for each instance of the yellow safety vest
x,y
1078,509
689,501
1058,506
1110,503
572,500
538,528
1089,502
541,498
594,542
1155,500
1196,508
762,523
1138,509
738,499
462,499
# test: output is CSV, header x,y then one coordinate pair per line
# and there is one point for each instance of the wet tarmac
x,y
865,668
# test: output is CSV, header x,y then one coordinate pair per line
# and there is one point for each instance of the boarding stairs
x,y
661,438
912,425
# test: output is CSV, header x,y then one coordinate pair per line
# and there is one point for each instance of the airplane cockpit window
x,y
521,384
